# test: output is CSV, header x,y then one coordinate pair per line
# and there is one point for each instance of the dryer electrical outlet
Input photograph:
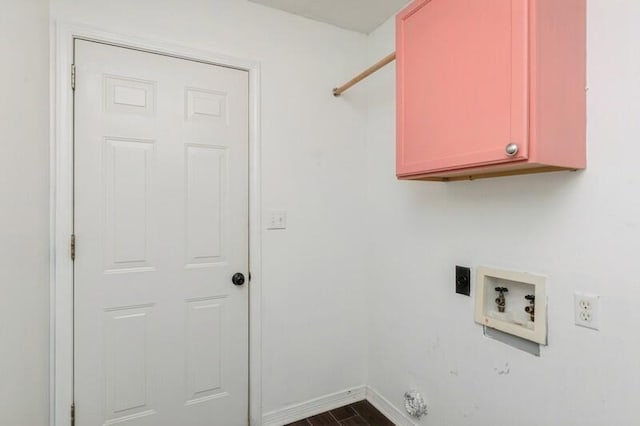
x,y
463,280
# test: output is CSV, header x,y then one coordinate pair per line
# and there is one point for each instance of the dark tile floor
x,y
356,414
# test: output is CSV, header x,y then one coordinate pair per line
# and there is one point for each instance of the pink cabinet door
x,y
462,84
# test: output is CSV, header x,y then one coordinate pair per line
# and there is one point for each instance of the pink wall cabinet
x,y
490,88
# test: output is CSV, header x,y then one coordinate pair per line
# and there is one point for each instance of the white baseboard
x,y
390,411
315,406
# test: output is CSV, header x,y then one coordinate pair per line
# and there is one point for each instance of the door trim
x,y
61,207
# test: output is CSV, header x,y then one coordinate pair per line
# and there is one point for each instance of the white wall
x,y
24,229
581,230
314,331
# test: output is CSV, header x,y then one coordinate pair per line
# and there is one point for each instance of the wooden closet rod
x,y
357,79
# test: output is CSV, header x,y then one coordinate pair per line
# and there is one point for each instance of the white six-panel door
x,y
161,225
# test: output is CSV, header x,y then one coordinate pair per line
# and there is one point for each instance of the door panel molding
x,y
61,207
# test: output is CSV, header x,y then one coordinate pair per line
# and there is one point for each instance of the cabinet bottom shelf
x,y
473,174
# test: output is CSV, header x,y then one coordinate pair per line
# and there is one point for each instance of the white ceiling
x,y
358,15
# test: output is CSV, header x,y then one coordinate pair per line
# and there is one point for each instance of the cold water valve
x,y
531,309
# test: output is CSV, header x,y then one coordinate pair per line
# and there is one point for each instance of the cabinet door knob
x,y
511,149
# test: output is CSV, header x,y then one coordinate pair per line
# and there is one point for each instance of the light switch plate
x,y
277,220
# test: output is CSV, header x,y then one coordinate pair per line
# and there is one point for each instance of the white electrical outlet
x,y
587,310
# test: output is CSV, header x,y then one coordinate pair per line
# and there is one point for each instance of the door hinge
x,y
73,246
73,77
73,414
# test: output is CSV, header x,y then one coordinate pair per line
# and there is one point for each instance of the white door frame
x,y
61,208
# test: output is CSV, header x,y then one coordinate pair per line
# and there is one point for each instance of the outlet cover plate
x,y
587,310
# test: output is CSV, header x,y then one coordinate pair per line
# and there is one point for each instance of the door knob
x,y
237,279
511,149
